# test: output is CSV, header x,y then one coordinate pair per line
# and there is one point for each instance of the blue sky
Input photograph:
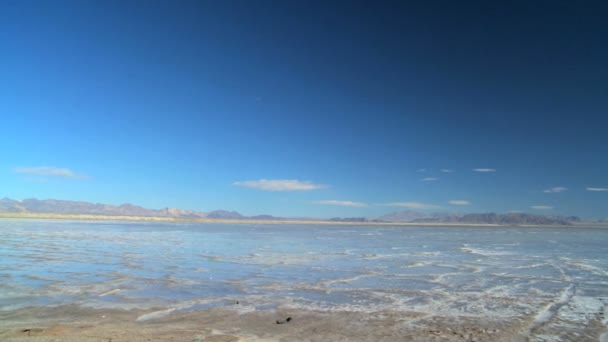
x,y
307,108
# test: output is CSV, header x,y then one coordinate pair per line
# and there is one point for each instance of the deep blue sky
x,y
191,104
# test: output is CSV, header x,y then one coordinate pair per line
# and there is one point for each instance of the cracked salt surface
x,y
555,279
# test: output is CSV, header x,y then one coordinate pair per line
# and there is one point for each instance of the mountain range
x,y
32,205
478,218
52,206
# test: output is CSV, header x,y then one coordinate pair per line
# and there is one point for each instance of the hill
x,y
479,218
52,206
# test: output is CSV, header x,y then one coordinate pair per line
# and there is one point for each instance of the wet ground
x,y
492,283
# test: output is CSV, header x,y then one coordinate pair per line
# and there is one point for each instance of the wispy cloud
x,y
555,190
429,179
541,207
446,170
597,189
484,170
421,170
280,185
413,205
49,171
342,203
459,202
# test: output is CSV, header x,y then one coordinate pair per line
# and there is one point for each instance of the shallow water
x,y
556,276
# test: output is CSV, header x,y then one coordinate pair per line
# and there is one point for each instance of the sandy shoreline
x,y
74,323
206,220
273,222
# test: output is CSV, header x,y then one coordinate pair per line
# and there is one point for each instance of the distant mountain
x,y
225,215
181,213
233,215
52,206
573,219
478,218
402,216
502,219
8,205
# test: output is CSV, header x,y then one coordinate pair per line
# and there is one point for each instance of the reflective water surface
x,y
559,275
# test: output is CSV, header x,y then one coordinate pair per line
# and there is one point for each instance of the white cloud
x,y
597,189
421,170
429,179
413,205
484,170
555,190
342,203
446,170
280,185
459,202
541,207
48,171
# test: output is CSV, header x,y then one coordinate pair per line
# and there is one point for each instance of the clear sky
x,y
307,108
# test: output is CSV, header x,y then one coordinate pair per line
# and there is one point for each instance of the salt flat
x,y
72,279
